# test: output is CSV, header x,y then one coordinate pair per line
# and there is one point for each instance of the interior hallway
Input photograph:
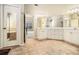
x,y
45,47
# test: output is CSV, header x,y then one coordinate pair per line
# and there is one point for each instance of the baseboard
x,y
58,40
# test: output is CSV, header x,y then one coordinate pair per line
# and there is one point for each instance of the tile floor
x,y
45,47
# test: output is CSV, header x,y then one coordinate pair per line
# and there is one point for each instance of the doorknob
x,y
4,28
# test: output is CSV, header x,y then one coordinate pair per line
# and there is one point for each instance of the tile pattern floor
x,y
45,47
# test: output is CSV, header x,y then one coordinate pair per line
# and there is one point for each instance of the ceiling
x,y
48,9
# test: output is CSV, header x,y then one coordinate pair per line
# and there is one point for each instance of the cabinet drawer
x,y
41,35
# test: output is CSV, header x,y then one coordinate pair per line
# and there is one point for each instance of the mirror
x,y
50,22
57,21
74,20
41,22
11,26
72,16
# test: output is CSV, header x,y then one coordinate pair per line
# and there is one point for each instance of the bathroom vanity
x,y
50,28
53,29
71,27
50,33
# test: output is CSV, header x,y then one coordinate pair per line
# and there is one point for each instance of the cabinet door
x,y
41,34
52,33
49,33
71,36
58,34
75,37
67,35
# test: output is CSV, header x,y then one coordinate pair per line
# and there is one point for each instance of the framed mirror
x,y
50,22
74,20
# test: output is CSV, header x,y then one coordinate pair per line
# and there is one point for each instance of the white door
x,y
11,25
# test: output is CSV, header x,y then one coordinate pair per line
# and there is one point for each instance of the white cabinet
x,y
72,36
67,35
56,33
41,34
50,34
75,37
30,34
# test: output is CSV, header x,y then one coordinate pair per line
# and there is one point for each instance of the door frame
x,y
20,31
